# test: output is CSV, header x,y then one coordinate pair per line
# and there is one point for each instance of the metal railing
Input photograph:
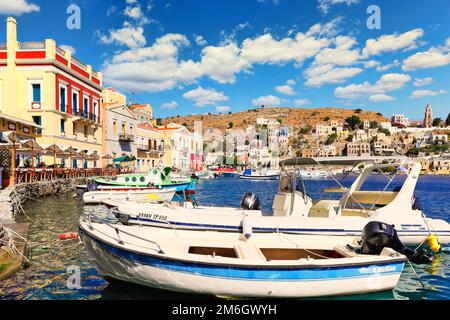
x,y
3,47
86,115
31,45
79,64
60,51
143,147
126,137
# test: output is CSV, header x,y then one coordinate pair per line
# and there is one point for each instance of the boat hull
x,y
240,281
262,177
152,195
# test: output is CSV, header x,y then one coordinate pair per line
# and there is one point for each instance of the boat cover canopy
x,y
341,161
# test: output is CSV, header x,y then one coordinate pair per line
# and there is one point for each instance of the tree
x,y
353,122
229,112
373,124
326,119
436,122
413,152
385,131
331,138
306,130
230,125
358,110
447,121
159,122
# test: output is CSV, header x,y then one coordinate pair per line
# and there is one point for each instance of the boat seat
x,y
281,204
345,252
354,213
373,197
249,252
323,209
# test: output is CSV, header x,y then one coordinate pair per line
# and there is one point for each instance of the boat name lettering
x,y
377,269
153,216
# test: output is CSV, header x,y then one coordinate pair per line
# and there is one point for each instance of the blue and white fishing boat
x,y
231,265
251,174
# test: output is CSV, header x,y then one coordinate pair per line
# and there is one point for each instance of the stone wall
x,y
12,198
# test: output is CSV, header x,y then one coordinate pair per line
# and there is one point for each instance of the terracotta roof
x,y
139,106
147,126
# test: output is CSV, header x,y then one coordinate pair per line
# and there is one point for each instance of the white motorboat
x,y
314,174
134,194
260,175
294,212
229,265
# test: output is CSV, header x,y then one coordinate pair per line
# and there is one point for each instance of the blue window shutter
x,y
36,92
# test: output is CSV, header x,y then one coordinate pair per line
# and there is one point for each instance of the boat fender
x,y
247,228
433,242
69,235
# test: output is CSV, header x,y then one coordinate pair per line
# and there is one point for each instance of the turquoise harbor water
x,y
47,276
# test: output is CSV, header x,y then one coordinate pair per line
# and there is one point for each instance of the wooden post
x,y
12,180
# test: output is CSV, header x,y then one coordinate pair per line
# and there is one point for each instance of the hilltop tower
x,y
428,120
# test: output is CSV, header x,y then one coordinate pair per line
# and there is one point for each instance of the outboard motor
x,y
91,186
250,201
378,235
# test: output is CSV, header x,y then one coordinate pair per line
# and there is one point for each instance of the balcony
x,y
32,45
85,115
126,137
143,147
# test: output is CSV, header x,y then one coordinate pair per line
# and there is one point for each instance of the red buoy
x,y
70,235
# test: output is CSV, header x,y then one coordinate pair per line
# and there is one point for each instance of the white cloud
x,y
267,50
67,47
388,82
111,10
302,102
326,67
321,74
420,82
286,89
200,41
169,105
324,5
425,93
291,82
222,63
434,57
266,101
17,7
392,42
381,68
128,35
223,109
381,97
205,97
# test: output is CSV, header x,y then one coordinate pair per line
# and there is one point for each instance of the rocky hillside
x,y
295,118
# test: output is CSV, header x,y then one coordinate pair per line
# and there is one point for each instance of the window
x,y
86,105
38,120
115,127
36,92
123,128
86,131
74,102
63,125
95,107
62,99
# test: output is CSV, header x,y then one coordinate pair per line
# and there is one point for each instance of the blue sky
x,y
198,56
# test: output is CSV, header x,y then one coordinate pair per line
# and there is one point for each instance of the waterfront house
x,y
48,94
149,153
143,112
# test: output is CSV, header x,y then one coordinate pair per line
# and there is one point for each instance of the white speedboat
x,y
228,265
294,212
260,175
314,174
134,194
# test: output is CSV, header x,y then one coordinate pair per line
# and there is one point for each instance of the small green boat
x,y
155,177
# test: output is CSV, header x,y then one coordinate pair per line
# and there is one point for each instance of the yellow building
x,y
50,90
149,153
